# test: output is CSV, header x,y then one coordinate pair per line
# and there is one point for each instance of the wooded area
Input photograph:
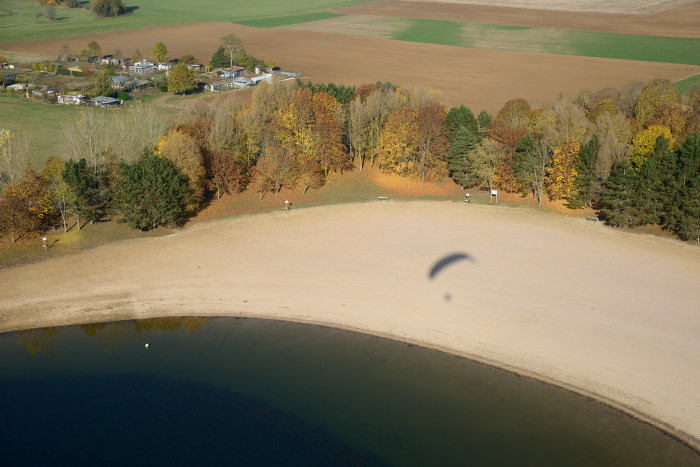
x,y
633,155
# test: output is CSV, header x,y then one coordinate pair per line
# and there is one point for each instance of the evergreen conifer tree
x,y
618,198
85,190
457,118
682,213
582,194
457,160
151,192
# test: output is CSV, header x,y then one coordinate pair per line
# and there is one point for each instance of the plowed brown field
x,y
682,21
478,78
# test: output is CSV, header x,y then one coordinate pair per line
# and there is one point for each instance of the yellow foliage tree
x,y
183,151
562,173
397,151
644,143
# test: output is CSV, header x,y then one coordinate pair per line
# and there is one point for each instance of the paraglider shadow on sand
x,y
445,262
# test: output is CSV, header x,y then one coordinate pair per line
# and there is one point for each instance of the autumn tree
x,y
654,96
562,173
94,49
132,128
328,133
85,138
515,113
644,143
397,151
531,161
228,131
14,156
137,56
364,91
24,206
234,45
508,137
159,53
224,172
274,169
565,122
358,131
612,132
181,79
84,190
102,85
58,190
484,161
430,140
151,192
184,152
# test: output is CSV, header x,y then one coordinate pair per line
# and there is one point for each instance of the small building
x,y
72,99
195,67
107,59
140,84
227,85
164,66
8,76
256,79
143,67
121,81
105,102
232,72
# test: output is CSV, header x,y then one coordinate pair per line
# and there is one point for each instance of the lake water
x,y
255,392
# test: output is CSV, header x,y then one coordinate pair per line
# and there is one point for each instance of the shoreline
x,y
135,280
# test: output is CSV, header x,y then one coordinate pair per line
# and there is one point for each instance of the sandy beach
x,y
606,313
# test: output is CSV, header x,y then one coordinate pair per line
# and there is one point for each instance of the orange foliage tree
x,y
24,206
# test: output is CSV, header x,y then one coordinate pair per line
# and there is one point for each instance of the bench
x,y
591,218
382,198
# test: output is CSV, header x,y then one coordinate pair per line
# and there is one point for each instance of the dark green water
x,y
253,392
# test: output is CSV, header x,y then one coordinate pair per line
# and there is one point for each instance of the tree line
x,y
632,155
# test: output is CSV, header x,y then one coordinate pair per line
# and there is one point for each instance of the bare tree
x,y
233,44
86,137
14,156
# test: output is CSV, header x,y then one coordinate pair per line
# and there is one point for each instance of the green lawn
x,y
579,43
18,17
688,83
43,123
287,20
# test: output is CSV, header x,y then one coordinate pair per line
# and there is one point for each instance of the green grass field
x,y
287,20
579,43
43,123
18,17
688,83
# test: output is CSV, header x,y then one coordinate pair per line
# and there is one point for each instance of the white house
x,y
143,67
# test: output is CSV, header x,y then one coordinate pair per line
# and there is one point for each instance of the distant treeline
x,y
633,155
